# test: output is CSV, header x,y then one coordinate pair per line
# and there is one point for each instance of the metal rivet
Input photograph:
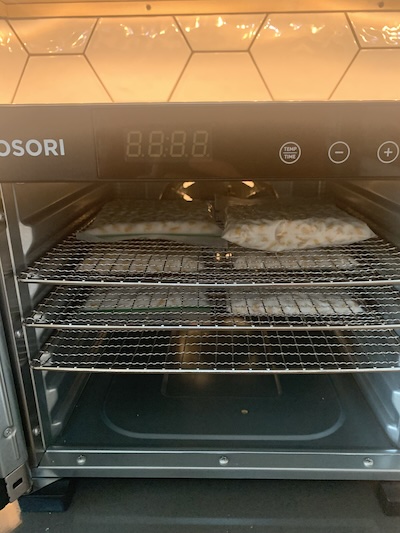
x,y
81,460
244,411
368,462
36,431
223,460
18,334
8,432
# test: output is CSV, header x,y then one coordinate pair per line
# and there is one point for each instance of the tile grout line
x,y
347,17
260,74
182,33
180,76
98,78
352,29
28,55
91,35
259,29
252,58
343,75
18,37
20,80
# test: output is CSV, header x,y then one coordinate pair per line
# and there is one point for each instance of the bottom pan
x,y
156,412
234,408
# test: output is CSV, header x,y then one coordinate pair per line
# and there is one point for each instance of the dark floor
x,y
217,506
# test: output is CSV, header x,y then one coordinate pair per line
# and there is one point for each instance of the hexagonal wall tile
x,y
59,79
54,35
303,55
374,75
12,61
222,76
220,32
138,58
377,29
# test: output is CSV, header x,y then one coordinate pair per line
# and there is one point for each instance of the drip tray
x,y
220,407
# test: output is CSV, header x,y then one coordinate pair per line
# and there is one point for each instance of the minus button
x,y
339,152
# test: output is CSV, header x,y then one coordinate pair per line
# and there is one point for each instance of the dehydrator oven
x,y
199,241
193,355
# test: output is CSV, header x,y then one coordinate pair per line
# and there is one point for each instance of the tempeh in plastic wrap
x,y
276,226
174,220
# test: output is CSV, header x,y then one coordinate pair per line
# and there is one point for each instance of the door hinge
x,y
19,482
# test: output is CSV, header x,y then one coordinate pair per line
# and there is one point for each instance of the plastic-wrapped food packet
x,y
277,225
175,220
294,303
113,262
320,260
133,299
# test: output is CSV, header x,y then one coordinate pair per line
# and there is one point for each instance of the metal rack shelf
x,y
155,308
223,352
73,262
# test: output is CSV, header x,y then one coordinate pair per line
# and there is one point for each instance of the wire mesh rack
x,y
234,351
152,308
73,262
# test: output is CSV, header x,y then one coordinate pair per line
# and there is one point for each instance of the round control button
x,y
290,152
388,152
339,152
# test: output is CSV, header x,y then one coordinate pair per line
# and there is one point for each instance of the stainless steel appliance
x,y
195,393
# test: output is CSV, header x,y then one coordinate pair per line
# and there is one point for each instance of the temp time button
x,y
290,152
339,152
388,152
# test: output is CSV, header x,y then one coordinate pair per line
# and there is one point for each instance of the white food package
x,y
175,220
293,303
277,226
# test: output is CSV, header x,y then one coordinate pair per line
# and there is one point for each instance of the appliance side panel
x,y
13,452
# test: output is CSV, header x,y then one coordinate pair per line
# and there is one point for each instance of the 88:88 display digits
x,y
162,144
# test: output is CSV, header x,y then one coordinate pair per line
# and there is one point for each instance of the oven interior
x,y
199,379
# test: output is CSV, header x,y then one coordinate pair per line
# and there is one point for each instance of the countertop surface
x,y
206,505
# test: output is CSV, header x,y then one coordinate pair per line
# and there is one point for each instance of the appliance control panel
x,y
340,140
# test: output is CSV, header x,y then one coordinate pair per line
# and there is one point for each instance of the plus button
x,y
388,152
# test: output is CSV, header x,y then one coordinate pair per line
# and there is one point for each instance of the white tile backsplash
x,y
219,77
374,75
138,58
375,29
220,32
54,36
226,57
59,79
303,56
12,61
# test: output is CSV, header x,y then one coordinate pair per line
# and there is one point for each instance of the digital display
x,y
156,143
231,140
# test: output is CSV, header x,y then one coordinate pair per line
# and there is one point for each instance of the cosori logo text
x,y
32,148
